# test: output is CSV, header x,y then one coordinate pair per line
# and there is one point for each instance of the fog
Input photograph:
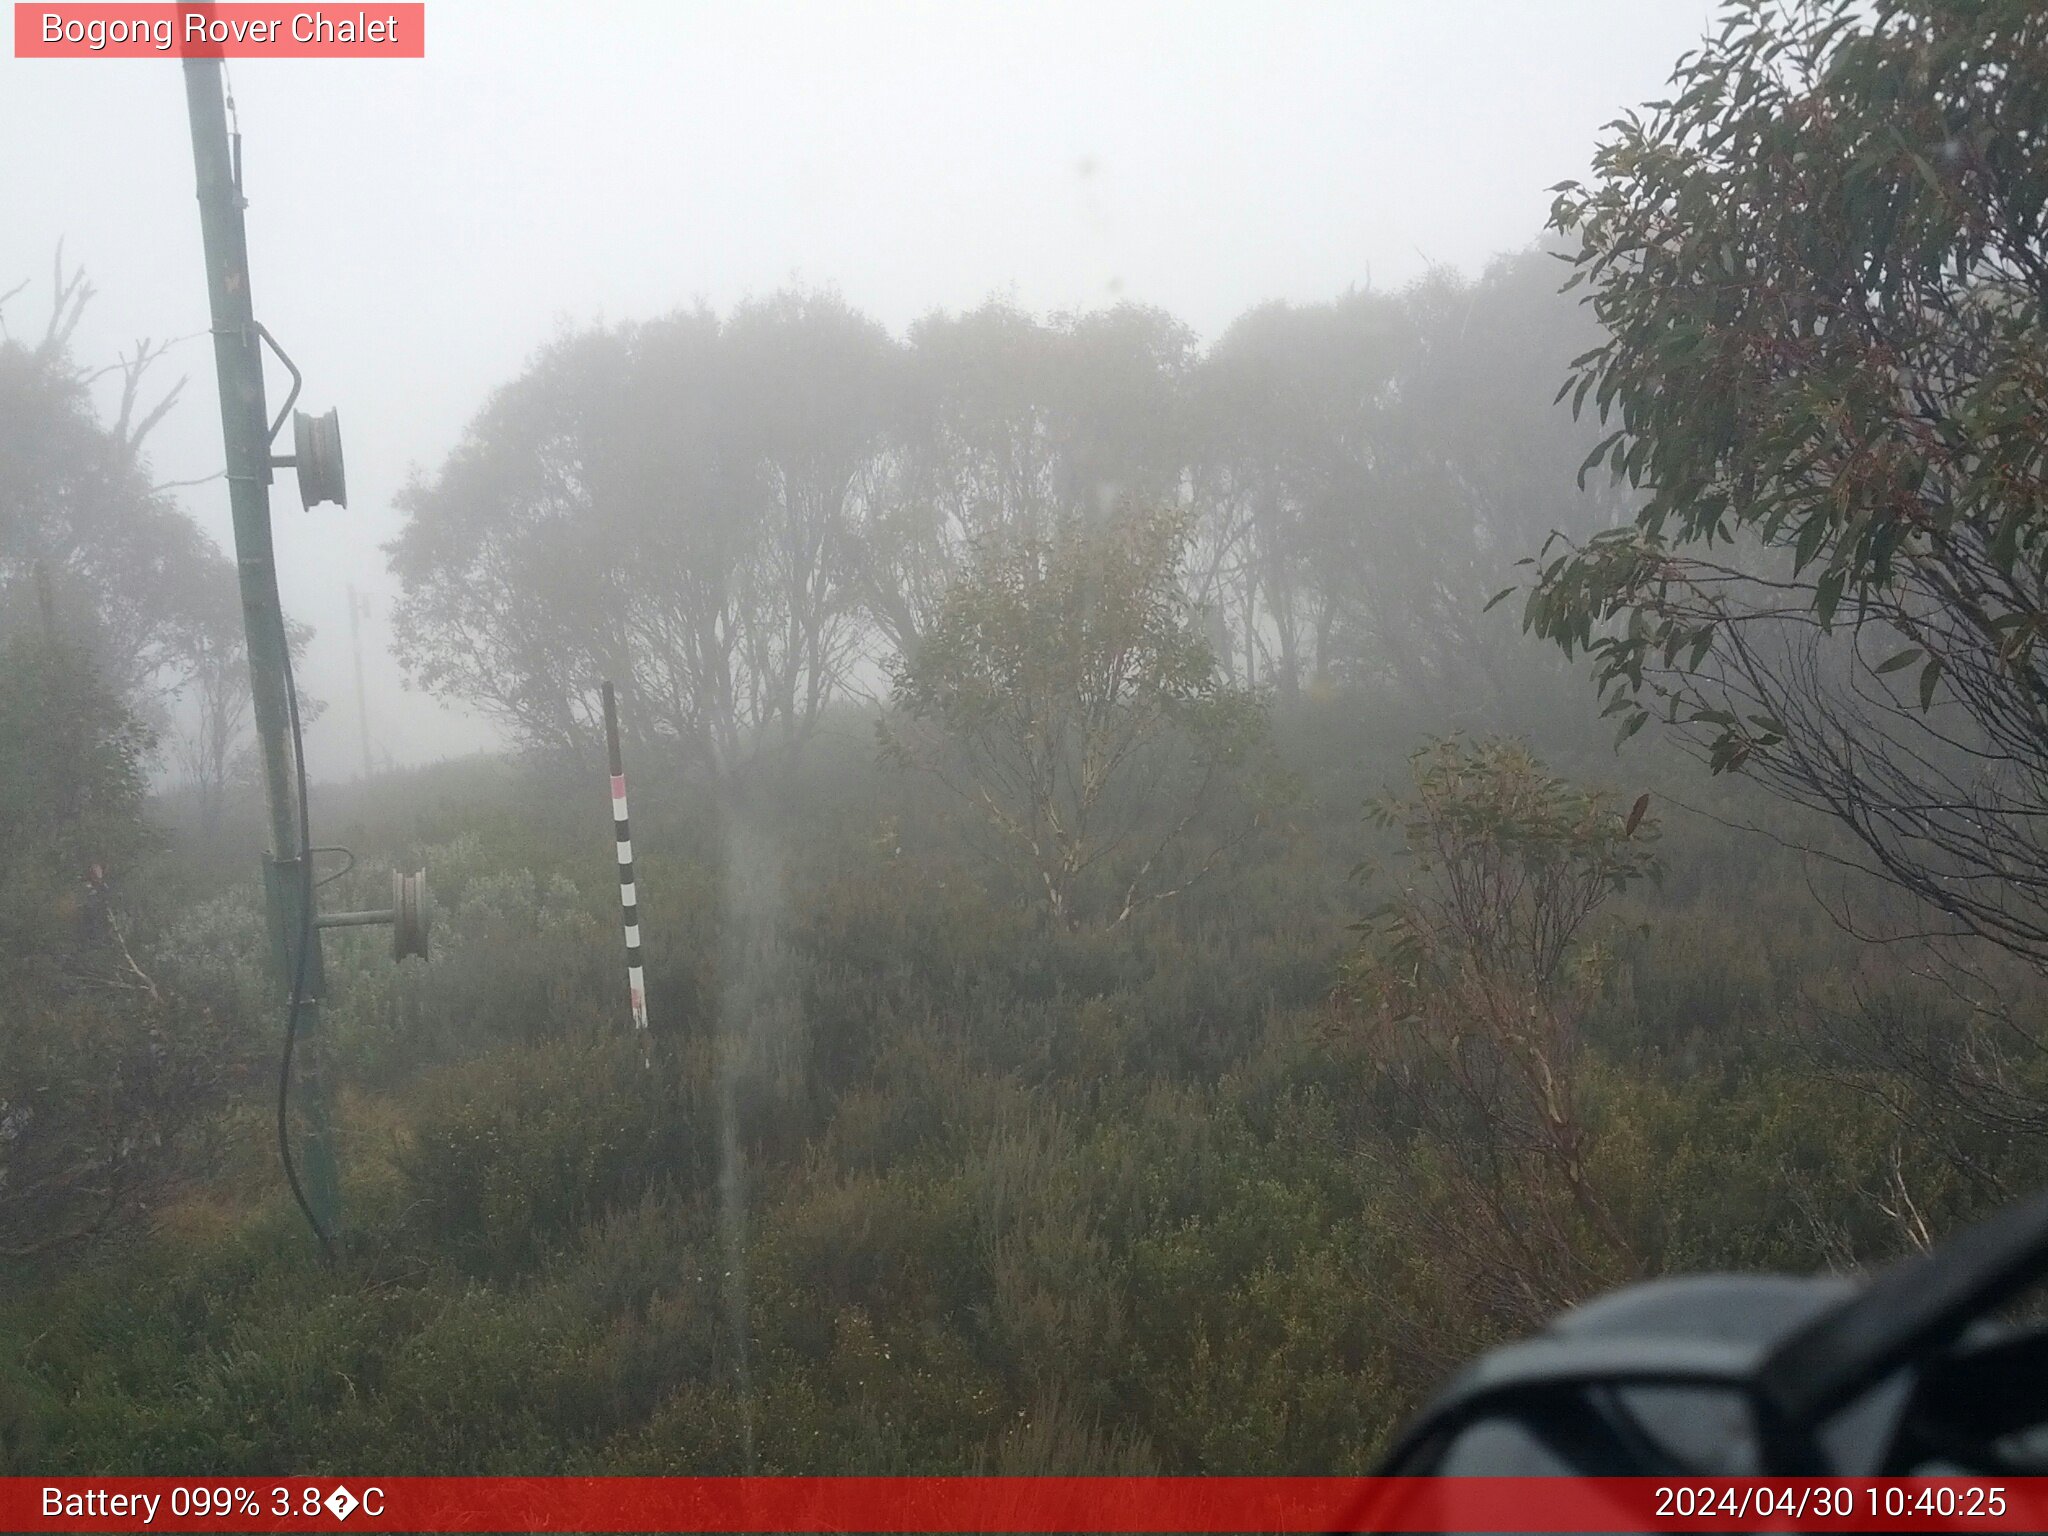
x,y
418,228
1314,692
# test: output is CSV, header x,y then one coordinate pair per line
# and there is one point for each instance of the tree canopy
x,y
1822,270
1078,708
672,505
89,543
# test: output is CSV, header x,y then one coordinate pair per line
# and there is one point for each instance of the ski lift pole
x,y
247,435
629,894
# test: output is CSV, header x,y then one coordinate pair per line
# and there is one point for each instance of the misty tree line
x,y
743,519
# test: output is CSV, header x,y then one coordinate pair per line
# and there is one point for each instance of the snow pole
x,y
629,895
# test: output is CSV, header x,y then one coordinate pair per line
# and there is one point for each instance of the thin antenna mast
x,y
357,607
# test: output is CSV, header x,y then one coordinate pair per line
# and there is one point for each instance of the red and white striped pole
x,y
629,895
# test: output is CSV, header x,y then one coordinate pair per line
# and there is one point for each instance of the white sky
x,y
417,228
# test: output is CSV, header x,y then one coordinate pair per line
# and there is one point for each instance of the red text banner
x,y
1023,1504
216,31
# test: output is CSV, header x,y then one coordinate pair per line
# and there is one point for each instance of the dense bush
x,y
910,1180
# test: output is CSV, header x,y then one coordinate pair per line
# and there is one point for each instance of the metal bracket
x,y
407,916
291,399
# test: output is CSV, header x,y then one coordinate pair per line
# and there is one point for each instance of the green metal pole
x,y
246,429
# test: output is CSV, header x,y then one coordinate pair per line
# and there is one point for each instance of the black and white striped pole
x,y
629,895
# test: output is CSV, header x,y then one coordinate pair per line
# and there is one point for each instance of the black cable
x,y
327,880
298,995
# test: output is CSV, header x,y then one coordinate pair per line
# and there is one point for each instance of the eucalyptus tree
x,y
88,543
1370,467
1473,982
1008,424
504,559
1065,692
814,386
1474,463
1822,268
1318,495
678,506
